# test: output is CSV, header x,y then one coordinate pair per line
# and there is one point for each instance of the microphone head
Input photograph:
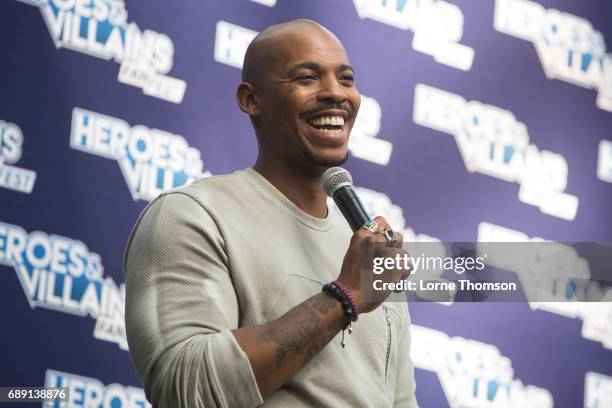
x,y
334,178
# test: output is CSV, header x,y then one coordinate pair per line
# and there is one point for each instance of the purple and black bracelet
x,y
347,294
340,292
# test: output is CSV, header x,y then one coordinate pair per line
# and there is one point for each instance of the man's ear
x,y
248,99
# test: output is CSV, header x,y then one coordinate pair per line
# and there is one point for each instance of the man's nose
x,y
332,90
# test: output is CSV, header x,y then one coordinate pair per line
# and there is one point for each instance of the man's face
x,y
309,98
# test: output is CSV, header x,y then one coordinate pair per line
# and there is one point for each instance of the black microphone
x,y
338,184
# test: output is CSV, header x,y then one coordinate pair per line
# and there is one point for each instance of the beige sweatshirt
x,y
232,251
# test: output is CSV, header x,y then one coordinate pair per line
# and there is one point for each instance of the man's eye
x,y
306,78
348,78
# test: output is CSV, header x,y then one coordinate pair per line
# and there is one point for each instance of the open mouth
x,y
331,124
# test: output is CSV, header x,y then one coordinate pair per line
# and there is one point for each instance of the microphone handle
x,y
350,206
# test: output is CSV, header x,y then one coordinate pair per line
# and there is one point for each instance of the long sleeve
x,y
405,386
180,308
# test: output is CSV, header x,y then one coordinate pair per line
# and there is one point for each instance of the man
x,y
224,306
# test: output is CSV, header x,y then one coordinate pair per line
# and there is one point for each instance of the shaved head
x,y
262,52
299,92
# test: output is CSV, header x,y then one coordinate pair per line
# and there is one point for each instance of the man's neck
x,y
302,189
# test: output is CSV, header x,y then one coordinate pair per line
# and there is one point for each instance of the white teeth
x,y
327,120
333,132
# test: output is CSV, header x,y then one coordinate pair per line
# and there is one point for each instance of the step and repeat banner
x,y
481,120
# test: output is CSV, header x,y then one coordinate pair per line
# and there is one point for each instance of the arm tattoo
x,y
300,330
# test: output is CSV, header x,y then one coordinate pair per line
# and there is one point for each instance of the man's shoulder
x,y
198,204
215,189
204,198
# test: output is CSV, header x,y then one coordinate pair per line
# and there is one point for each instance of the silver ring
x,y
371,226
390,235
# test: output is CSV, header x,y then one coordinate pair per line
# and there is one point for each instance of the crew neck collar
x,y
270,192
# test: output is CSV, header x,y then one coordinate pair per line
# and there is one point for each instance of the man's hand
x,y
357,274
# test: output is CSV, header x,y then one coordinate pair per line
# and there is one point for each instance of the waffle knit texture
x,y
233,251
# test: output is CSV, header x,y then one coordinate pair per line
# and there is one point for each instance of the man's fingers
x,y
393,238
363,233
382,223
376,239
399,241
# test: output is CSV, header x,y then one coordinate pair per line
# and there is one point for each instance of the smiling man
x,y
298,88
224,278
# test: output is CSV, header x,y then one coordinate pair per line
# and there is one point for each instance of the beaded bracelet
x,y
348,306
337,293
347,294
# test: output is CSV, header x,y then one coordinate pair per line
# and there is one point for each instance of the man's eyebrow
x,y
315,67
344,67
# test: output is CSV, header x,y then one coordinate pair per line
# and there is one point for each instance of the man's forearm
x,y
278,349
